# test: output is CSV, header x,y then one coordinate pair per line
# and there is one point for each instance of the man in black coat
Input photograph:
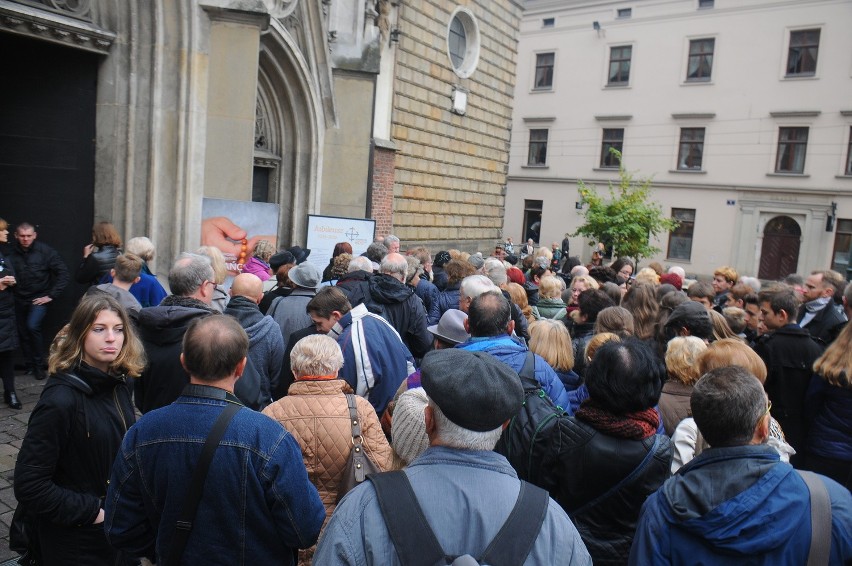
x,y
41,277
789,353
819,314
401,307
161,329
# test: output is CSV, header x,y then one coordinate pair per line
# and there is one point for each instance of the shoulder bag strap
x,y
196,485
528,370
516,538
820,551
630,477
413,538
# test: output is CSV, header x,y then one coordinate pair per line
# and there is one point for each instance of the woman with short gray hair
x,y
316,412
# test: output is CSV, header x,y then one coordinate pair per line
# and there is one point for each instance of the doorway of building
x,y
779,254
532,221
47,151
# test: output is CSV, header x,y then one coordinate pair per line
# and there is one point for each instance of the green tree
x,y
627,220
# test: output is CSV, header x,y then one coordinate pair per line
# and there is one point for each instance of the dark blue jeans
x,y
29,318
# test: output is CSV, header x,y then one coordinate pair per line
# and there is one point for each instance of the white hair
x,y
474,285
579,270
452,435
360,262
495,270
752,282
395,265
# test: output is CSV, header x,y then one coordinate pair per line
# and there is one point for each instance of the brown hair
x,y
128,267
213,346
519,297
69,351
458,269
105,234
327,300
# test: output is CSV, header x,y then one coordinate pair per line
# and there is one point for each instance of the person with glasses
x,y
737,503
162,327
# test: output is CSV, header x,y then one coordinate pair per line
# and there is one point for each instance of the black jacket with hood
x,y
161,330
66,458
404,310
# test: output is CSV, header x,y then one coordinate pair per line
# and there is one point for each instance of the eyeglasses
x,y
768,407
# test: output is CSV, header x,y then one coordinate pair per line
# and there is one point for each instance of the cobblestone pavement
x,y
13,426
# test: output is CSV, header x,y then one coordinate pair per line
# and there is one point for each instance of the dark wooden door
x,y
779,255
47,150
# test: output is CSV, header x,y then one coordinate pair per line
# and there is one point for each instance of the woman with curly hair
x,y
456,270
75,432
339,248
682,368
519,297
259,262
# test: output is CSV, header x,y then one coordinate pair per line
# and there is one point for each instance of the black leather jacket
x,y
39,271
96,265
589,464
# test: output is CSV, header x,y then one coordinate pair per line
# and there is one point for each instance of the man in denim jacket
x,y
465,489
257,505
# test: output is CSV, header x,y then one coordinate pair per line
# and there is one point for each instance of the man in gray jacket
x,y
266,345
465,490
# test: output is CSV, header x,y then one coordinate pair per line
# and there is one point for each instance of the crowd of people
x,y
405,407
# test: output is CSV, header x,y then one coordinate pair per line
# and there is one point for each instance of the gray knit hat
x,y
408,428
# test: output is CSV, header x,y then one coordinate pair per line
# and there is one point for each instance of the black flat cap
x,y
279,259
473,389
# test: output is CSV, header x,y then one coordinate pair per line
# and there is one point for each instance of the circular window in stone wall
x,y
463,42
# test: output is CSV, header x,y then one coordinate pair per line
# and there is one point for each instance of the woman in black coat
x,y
8,330
99,256
75,432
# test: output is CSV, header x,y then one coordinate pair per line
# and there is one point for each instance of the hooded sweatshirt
x,y
737,505
404,311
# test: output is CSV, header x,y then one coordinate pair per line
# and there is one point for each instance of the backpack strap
x,y
413,538
820,551
516,538
415,541
528,369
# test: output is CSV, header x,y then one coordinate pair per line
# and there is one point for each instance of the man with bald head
x,y
399,305
266,344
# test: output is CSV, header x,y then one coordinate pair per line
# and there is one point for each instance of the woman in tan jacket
x,y
316,413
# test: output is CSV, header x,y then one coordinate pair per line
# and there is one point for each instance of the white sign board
x,y
326,231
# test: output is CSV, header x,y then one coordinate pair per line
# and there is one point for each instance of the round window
x,y
463,42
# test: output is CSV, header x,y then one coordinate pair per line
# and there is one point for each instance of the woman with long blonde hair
x,y
75,432
550,339
829,403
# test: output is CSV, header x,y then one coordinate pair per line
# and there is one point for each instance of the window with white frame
x,y
700,64
680,239
691,152
619,65
792,147
463,42
543,71
613,138
802,53
537,154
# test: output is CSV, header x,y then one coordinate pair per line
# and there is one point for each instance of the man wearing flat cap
x,y
465,490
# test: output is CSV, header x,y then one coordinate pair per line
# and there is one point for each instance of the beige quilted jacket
x,y
316,414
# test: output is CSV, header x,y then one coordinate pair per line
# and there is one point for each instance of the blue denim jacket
x,y
257,505
466,496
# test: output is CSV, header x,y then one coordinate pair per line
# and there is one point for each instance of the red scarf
x,y
633,426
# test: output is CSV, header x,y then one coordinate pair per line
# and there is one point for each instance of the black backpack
x,y
415,541
528,442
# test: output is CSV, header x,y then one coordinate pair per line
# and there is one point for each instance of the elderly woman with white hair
x,y
148,290
316,412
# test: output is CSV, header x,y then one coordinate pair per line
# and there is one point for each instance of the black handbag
x,y
359,464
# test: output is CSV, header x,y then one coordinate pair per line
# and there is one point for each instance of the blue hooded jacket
x,y
737,505
512,352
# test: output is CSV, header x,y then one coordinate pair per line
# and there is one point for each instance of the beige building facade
x,y
740,110
451,120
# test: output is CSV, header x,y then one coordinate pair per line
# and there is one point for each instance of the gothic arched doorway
x,y
779,254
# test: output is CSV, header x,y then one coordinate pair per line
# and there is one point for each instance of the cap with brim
x,y
473,389
451,327
305,275
300,254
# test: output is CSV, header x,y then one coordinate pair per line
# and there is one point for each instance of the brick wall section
x,y
451,169
382,197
